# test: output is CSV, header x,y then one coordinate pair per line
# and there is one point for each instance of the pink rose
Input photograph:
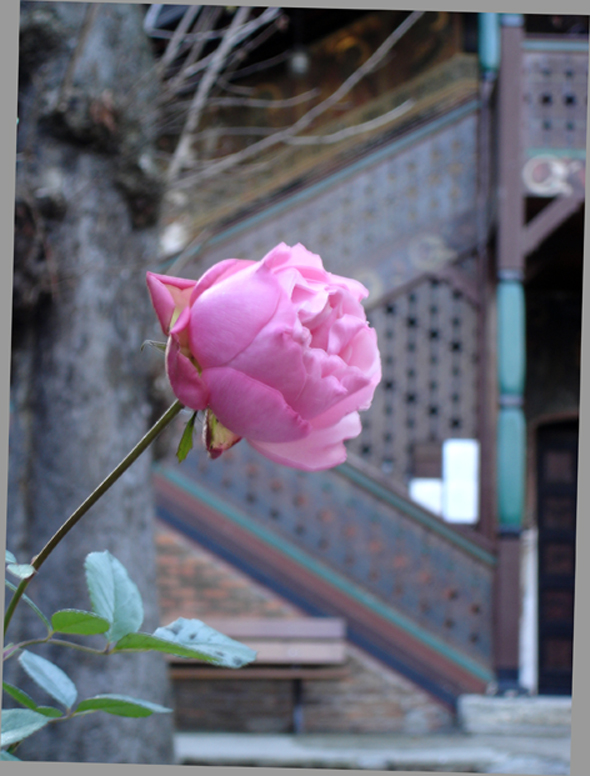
x,y
278,350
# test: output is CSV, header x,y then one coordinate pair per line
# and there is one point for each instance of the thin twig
x,y
357,129
251,102
257,67
68,81
282,135
206,21
14,648
229,41
247,29
179,35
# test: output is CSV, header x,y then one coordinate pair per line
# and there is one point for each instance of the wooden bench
x,y
295,649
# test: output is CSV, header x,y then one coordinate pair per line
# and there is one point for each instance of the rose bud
x,y
279,351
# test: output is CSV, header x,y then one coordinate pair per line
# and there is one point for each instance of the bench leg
x,y
297,706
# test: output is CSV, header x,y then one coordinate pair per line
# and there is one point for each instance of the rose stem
x,y
142,445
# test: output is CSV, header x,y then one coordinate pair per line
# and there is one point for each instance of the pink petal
x,y
169,296
342,332
251,409
227,317
275,358
308,264
322,388
360,396
362,352
322,449
187,384
357,290
217,273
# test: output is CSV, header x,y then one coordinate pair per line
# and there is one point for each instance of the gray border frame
x,y
8,100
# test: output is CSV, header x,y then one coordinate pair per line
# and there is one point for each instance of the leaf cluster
x,y
116,614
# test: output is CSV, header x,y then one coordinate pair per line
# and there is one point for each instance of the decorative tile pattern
x,y
424,576
428,339
555,95
399,213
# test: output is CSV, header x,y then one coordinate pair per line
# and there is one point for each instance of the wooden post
x,y
511,432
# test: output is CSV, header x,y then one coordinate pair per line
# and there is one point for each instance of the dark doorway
x,y
557,468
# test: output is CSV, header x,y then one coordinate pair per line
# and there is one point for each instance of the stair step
x,y
531,716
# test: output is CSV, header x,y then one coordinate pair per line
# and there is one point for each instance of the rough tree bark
x,y
86,206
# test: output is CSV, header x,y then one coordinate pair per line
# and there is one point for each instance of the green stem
x,y
61,642
139,448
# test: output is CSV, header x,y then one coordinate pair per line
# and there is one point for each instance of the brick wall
x,y
370,699
194,583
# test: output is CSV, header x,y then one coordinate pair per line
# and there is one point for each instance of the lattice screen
x,y
428,338
433,581
385,220
555,93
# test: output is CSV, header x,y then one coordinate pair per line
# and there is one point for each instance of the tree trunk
x,y
87,200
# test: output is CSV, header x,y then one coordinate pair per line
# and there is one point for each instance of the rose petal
x,y
188,386
169,297
354,287
274,358
362,352
322,388
360,396
251,409
342,332
322,449
296,256
219,272
227,317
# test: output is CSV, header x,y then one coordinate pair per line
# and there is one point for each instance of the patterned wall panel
x,y
435,582
555,92
428,339
554,117
407,208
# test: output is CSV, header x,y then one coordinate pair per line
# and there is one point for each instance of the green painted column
x,y
489,42
511,438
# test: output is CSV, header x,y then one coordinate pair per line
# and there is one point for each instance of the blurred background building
x,y
439,158
446,543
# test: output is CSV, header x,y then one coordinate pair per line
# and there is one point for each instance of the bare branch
x,y
366,126
247,29
283,135
207,21
232,37
68,81
179,36
250,102
256,68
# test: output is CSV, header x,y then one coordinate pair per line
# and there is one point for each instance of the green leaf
x,y
9,557
79,622
144,642
121,706
50,678
7,756
25,700
154,344
114,596
49,711
20,696
192,639
186,441
21,570
20,723
32,604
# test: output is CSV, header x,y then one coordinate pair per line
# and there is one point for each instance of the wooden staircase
x,y
414,592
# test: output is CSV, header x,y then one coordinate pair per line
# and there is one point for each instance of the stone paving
x,y
455,753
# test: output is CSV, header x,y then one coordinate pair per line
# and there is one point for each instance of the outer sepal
x,y
216,437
